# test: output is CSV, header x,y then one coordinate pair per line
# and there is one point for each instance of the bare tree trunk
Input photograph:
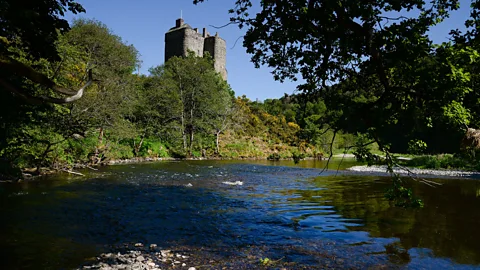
x,y
192,108
217,148
191,141
136,148
184,133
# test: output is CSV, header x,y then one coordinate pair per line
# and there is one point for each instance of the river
x,y
282,211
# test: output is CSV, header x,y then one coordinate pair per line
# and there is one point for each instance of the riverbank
x,y
32,174
195,258
140,259
420,165
140,160
414,171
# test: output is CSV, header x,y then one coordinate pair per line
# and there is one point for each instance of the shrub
x,y
274,156
297,156
196,153
117,150
153,148
438,162
177,153
417,147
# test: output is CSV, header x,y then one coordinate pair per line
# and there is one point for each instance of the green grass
x,y
444,161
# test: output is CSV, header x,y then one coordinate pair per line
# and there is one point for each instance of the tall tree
x,y
221,111
200,89
112,100
158,110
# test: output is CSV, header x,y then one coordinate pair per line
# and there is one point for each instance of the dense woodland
x,y
371,82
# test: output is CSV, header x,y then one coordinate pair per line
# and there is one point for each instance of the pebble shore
x,y
141,260
415,171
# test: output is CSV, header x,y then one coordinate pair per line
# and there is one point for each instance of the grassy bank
x,y
443,161
234,146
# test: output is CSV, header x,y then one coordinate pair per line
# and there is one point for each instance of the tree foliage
x,y
39,135
34,25
373,60
200,98
29,31
374,66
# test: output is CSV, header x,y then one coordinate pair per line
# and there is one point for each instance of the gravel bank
x,y
141,260
428,172
344,156
139,257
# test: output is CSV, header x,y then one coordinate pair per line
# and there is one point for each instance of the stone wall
x,y
174,43
193,42
217,47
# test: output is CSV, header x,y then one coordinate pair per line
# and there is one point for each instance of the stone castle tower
x,y
182,38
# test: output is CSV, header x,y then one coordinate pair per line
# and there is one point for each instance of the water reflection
x,y
59,222
447,226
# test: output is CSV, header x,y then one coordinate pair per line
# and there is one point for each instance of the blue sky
x,y
143,23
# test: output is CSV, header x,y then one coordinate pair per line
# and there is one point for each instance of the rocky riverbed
x,y
141,259
415,171
152,257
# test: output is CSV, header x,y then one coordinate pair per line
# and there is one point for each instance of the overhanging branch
x,y
42,99
12,65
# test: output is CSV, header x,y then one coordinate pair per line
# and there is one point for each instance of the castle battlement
x,y
183,38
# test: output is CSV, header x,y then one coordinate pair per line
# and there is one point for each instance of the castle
x,y
183,38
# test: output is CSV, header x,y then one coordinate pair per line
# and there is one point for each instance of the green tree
x,y
158,111
332,42
221,111
54,135
109,105
34,25
200,90
29,31
368,61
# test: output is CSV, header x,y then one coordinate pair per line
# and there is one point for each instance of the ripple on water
x,y
290,211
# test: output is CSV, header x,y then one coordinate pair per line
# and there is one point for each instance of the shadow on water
x,y
447,227
290,211
59,226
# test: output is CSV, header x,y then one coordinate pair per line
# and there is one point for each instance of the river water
x,y
282,211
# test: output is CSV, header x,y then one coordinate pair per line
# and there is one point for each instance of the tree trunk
x,y
44,155
191,141
184,132
137,147
191,127
99,143
217,148
184,135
